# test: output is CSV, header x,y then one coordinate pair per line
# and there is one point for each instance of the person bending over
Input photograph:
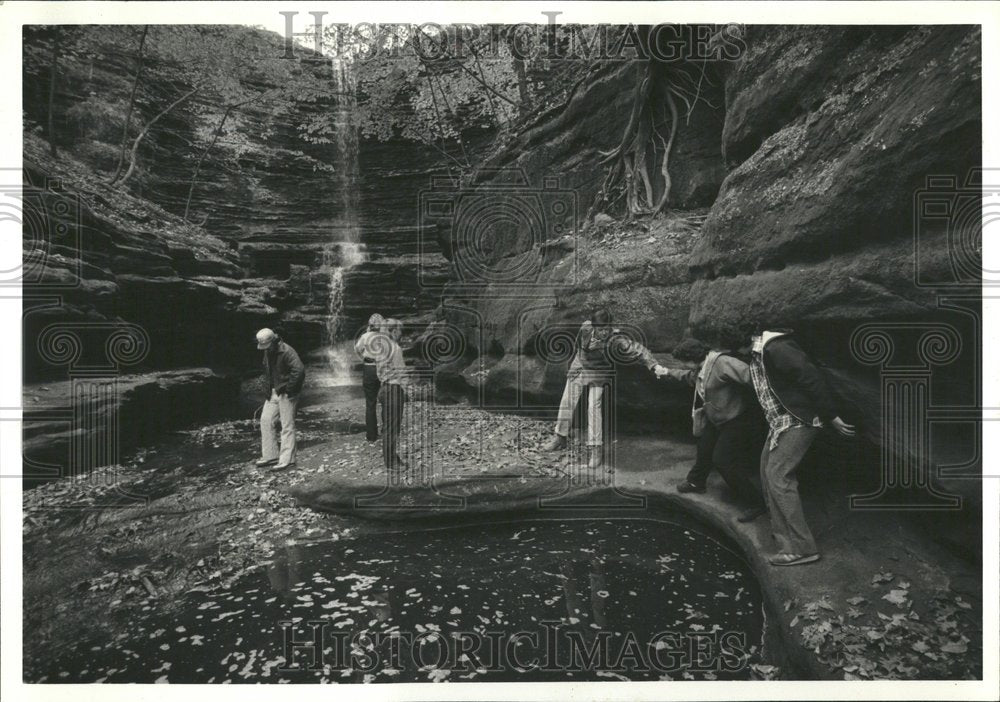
x,y
796,404
285,375
726,424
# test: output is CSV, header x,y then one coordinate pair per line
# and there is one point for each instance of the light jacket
x,y
795,380
390,365
724,383
595,354
289,374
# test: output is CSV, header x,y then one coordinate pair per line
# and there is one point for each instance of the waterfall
x,y
345,249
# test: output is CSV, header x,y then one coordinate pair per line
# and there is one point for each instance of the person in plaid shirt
x,y
797,405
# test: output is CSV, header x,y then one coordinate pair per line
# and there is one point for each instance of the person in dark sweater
x,y
796,404
367,347
285,375
727,426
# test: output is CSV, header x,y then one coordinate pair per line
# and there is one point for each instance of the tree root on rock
x,y
643,150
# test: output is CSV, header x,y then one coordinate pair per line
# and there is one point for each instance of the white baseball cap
x,y
265,337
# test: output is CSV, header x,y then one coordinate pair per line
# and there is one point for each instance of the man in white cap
x,y
285,376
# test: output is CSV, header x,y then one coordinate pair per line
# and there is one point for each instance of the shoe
x,y
596,459
792,559
751,514
556,443
262,462
688,486
284,466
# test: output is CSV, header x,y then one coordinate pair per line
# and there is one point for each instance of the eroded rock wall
x,y
827,139
275,199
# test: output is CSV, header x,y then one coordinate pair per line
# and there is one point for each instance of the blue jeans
x,y
781,489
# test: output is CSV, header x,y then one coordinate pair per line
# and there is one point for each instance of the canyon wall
x,y
260,243
801,203
273,198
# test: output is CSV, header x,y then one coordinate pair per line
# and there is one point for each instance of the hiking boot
x,y
688,486
556,443
283,466
751,514
263,462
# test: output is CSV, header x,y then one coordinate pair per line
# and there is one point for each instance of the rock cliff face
x,y
814,172
273,203
836,138
267,224
516,325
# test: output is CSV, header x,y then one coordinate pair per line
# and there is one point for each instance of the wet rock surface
x,y
122,413
213,528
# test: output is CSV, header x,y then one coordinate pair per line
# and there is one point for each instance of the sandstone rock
x,y
841,172
515,345
446,497
140,410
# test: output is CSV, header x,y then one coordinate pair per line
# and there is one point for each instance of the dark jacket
x,y
796,381
289,373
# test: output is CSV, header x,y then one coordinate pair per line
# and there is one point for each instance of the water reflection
x,y
558,600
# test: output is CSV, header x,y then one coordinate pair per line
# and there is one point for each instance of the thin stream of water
x,y
345,250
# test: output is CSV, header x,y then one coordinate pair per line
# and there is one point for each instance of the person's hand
x,y
660,371
842,427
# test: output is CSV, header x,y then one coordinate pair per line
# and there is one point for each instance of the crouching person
x,y
796,404
726,424
598,344
284,375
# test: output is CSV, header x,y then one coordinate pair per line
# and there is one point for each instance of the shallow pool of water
x,y
579,599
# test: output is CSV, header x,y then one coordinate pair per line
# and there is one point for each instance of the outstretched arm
x,y
629,350
688,377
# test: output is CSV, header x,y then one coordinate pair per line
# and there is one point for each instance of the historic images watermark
x,y
314,646
549,40
950,213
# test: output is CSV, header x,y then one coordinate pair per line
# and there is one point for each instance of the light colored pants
x,y
576,381
278,410
781,490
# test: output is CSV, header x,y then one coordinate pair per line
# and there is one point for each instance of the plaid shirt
x,y
778,418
